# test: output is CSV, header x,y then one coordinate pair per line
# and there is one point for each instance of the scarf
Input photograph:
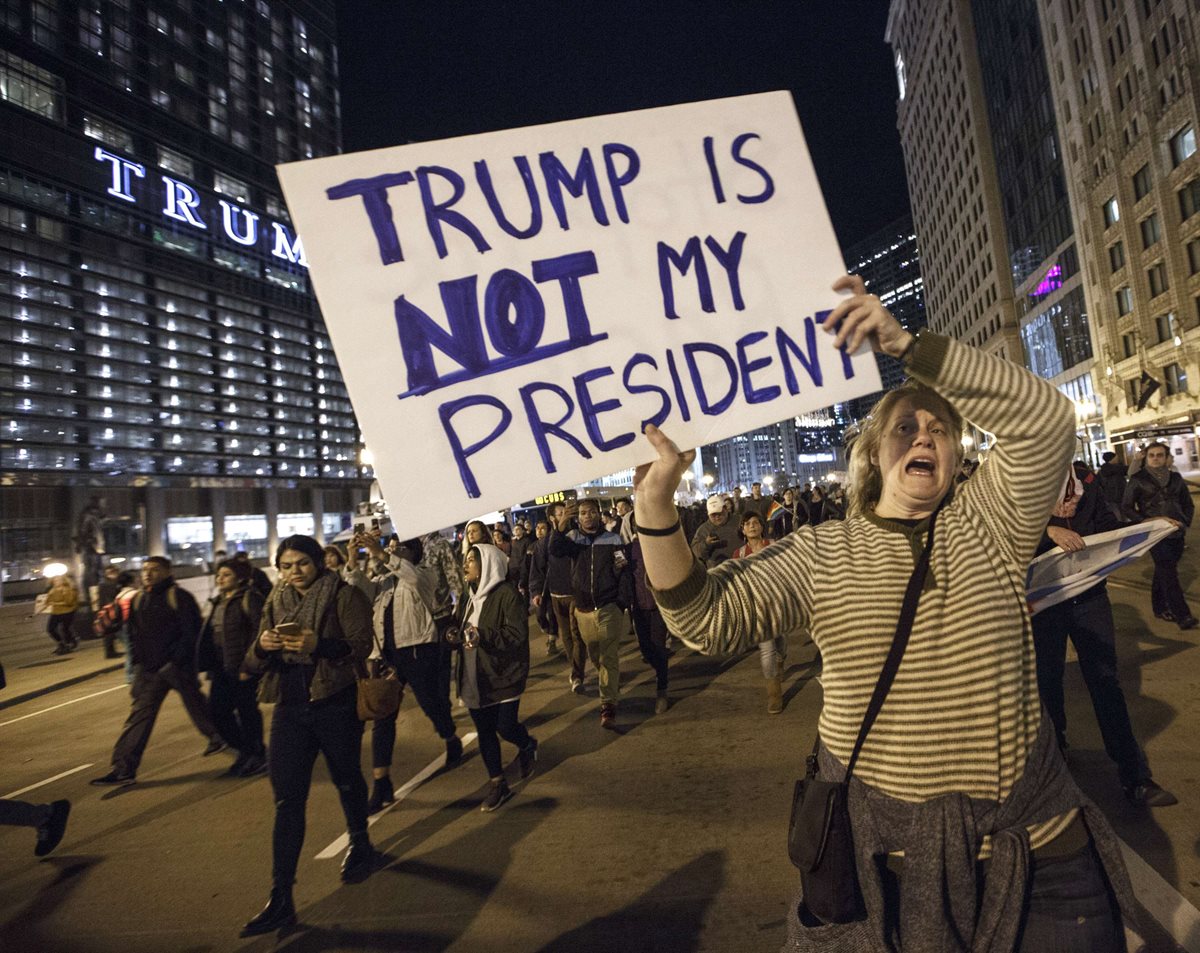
x,y
285,604
1160,475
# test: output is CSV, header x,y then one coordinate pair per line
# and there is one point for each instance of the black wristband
x,y
668,531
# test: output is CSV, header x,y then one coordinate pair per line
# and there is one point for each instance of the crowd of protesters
x,y
447,616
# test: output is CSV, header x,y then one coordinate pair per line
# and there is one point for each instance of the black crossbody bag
x,y
820,839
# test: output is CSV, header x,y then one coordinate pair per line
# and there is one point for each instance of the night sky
x,y
415,71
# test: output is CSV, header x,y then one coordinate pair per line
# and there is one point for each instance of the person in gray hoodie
x,y
717,537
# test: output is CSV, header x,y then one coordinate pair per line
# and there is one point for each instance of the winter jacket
x,y
62,600
713,554
344,640
599,576
407,593
230,631
1145,499
164,623
502,652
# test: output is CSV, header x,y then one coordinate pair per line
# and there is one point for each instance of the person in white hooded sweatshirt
x,y
493,635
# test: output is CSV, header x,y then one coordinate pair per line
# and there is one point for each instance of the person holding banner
x,y
1158,490
1087,620
968,830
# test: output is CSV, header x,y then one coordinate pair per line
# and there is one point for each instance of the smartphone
x,y
360,528
288,628
375,524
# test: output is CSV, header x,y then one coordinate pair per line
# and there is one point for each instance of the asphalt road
x,y
666,835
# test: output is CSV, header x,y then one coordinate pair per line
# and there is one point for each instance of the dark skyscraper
x,y
162,348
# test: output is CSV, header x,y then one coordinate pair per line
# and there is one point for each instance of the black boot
x,y
359,861
381,795
278,914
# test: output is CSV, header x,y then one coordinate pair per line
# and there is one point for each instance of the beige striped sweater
x,y
964,709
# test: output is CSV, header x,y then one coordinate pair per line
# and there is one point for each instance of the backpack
x,y
108,620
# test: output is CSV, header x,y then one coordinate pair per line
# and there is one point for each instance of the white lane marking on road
x,y
402,792
65,704
1163,902
31,787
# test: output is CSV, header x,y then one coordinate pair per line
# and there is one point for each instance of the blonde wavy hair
x,y
865,480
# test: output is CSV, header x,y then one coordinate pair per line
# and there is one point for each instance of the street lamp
x,y
708,480
54,570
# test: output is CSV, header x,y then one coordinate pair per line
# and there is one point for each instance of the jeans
x,y
601,630
298,733
652,640
1068,906
149,690
1088,621
771,654
1070,909
426,669
1166,594
568,631
498,720
234,709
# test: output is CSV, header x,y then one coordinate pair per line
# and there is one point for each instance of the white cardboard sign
x,y
509,309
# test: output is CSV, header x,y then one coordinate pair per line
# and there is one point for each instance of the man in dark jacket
x,y
518,560
259,580
602,587
539,585
1157,490
230,630
164,622
562,603
1087,620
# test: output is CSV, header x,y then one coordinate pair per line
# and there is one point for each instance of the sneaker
x,y
360,859
114,777
527,756
577,685
215,746
381,795
1189,623
454,751
1148,794
1166,616
60,649
608,715
254,765
235,769
51,830
498,793
660,703
552,647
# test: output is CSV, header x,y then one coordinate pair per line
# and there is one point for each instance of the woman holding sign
x,y
968,831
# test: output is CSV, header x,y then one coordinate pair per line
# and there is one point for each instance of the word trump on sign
x,y
510,310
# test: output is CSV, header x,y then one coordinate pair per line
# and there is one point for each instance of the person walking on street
x,y
407,638
493,666
562,602
648,624
164,623
316,633
1087,620
539,586
227,635
717,537
772,652
1158,490
601,587
259,580
968,831
1112,478
62,601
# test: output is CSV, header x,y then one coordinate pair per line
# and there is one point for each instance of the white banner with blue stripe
x,y
1056,576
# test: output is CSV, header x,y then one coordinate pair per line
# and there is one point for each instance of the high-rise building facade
x,y
952,180
165,366
988,184
1124,91
889,263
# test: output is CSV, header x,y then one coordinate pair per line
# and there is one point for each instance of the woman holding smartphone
x,y
315,631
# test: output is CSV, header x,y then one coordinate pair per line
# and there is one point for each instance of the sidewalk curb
x,y
65,683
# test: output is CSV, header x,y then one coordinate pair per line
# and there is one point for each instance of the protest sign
x,y
1056,576
510,309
